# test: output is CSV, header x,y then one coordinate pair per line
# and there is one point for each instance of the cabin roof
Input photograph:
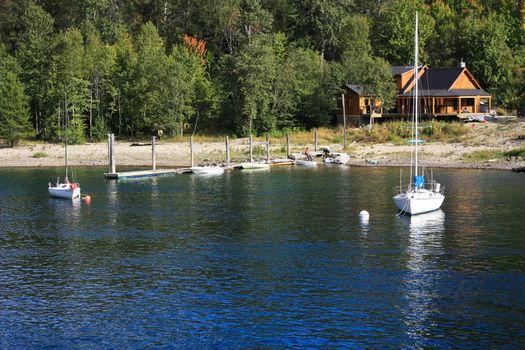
x,y
358,89
440,78
400,70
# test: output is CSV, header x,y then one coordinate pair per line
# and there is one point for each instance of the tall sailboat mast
x,y
65,128
416,95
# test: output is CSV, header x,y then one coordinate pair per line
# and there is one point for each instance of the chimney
x,y
462,64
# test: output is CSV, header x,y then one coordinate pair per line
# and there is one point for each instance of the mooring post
x,y
251,148
228,151
315,140
287,145
153,153
191,151
267,148
109,152
113,162
344,120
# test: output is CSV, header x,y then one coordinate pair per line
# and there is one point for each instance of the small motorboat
x,y
281,161
252,166
308,163
342,158
207,170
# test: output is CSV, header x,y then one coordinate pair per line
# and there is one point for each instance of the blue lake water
x,y
261,260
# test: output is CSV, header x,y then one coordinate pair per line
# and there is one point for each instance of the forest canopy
x,y
232,66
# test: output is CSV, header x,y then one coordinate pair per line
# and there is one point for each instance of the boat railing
x,y
431,185
436,187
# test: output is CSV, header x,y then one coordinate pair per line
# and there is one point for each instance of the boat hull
x,y
255,166
64,192
342,159
418,202
207,170
309,163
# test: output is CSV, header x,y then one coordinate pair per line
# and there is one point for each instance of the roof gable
x,y
421,71
446,79
465,81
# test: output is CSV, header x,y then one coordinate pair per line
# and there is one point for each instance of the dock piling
x,y
267,148
228,159
315,140
191,151
251,148
344,120
153,153
287,145
111,155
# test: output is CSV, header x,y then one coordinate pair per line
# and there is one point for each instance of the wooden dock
x,y
145,173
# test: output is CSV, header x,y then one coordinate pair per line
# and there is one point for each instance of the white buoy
x,y
363,215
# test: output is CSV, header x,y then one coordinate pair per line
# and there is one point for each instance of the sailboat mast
x,y
65,128
416,95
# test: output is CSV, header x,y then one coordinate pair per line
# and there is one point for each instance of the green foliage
x,y
270,65
484,46
484,155
516,152
442,43
35,51
14,109
40,155
394,32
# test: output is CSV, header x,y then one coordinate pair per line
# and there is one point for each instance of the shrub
x,y
39,155
516,152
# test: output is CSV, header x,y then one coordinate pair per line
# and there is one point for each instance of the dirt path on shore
x,y
500,136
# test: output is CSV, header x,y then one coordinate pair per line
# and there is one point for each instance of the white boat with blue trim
x,y
419,197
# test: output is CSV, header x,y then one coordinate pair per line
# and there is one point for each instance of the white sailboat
x,y
419,197
66,189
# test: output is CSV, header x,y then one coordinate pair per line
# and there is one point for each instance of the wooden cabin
x,y
443,92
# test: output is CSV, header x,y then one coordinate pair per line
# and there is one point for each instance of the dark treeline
x,y
235,66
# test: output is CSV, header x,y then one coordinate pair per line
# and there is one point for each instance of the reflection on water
x,y
261,259
423,254
65,211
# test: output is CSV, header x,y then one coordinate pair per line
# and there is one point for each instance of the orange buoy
x,y
87,199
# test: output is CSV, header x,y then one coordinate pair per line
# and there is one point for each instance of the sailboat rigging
x,y
65,189
419,197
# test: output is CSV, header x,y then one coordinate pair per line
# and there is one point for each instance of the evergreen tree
x,y
14,109
36,47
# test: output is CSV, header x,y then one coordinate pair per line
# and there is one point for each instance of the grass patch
x,y
484,155
40,155
516,152
392,131
480,156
